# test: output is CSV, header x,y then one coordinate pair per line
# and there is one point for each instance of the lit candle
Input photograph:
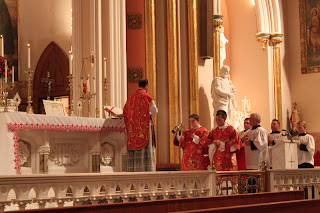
x,y
88,83
12,71
6,71
29,56
1,46
70,62
105,67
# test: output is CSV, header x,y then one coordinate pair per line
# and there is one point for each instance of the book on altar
x,y
113,112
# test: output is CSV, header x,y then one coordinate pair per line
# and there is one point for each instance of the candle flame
x,y
1,36
28,45
105,59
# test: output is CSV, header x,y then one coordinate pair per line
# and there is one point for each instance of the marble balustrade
x,y
43,191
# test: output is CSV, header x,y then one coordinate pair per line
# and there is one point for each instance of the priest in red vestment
x,y
137,113
194,157
226,141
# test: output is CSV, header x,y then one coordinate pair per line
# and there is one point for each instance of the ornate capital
x,y
217,20
95,150
263,38
43,150
276,39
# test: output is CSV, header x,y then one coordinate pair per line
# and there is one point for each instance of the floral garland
x,y
2,69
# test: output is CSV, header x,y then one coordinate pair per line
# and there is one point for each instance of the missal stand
x,y
285,155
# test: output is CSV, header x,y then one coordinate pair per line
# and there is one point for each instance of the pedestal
x,y
285,155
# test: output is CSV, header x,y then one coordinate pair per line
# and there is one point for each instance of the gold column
x,y
193,57
151,65
173,76
276,39
217,21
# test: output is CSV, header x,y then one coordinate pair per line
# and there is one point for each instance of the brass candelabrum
x,y
5,87
29,73
71,107
87,97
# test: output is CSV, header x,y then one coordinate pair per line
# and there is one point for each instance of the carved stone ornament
x,y
24,153
135,74
107,153
65,154
134,21
95,150
43,150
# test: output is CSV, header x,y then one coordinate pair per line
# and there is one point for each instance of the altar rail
x,y
295,179
43,191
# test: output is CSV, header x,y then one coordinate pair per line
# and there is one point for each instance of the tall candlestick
x,y
29,56
12,71
105,67
88,83
1,46
70,62
6,71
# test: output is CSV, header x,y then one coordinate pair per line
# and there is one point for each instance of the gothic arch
x,y
54,60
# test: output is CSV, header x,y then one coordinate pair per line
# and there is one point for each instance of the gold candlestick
x,y
6,87
71,110
29,73
87,97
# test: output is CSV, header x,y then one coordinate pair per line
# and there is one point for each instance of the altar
x,y
33,144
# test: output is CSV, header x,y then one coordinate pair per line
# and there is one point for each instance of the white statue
x,y
223,42
223,92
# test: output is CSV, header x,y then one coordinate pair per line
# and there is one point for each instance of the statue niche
x,y
53,60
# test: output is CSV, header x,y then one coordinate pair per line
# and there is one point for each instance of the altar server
x,y
194,157
275,137
137,113
256,143
226,142
306,147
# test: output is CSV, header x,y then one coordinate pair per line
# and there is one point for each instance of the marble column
x,y
43,152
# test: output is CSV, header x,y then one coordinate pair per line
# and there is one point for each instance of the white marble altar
x,y
66,144
285,155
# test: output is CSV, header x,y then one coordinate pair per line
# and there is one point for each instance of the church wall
x,y
285,70
41,22
304,87
136,51
250,72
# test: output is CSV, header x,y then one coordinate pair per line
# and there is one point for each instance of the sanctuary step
x,y
175,205
274,207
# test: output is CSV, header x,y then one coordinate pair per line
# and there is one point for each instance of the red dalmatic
x,y
137,117
193,154
227,160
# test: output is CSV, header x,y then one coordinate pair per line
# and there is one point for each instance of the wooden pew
x,y
181,204
281,207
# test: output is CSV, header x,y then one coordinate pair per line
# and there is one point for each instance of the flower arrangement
x,y
2,69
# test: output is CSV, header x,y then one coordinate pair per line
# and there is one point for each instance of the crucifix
x,y
49,82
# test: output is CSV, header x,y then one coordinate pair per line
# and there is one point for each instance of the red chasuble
x,y
225,161
193,154
137,117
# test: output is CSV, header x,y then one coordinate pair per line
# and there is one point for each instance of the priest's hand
x,y
269,139
217,142
298,144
